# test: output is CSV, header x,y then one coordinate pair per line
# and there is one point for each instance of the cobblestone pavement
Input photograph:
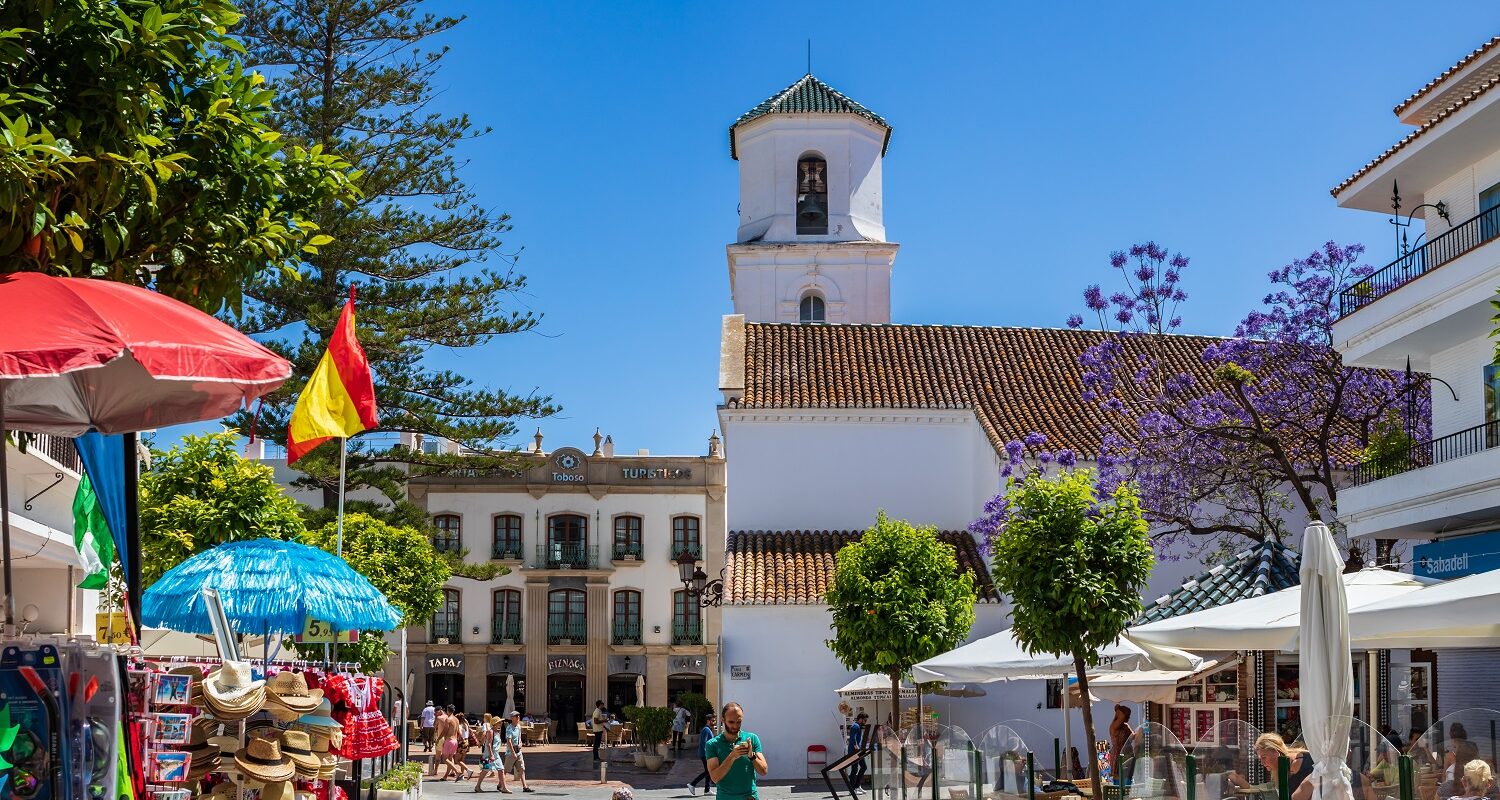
x,y
569,771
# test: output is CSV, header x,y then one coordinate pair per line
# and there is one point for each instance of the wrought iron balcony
x,y
621,551
443,628
687,631
1433,451
506,631
695,550
506,553
567,556
57,448
626,632
1451,244
574,631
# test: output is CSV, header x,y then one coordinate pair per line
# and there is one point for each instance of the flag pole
x,y
339,542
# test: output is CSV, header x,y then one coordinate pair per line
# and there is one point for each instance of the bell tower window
x,y
812,196
812,309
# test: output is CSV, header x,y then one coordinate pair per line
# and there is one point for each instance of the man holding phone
x,y
734,757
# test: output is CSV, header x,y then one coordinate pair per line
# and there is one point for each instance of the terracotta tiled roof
x,y
1017,380
1448,73
808,96
796,567
1436,120
1265,568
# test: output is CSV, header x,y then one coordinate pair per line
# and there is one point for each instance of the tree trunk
x,y
896,701
1088,724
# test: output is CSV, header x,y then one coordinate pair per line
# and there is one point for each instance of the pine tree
x,y
357,77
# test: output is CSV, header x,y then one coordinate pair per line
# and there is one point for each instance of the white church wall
x,y
769,149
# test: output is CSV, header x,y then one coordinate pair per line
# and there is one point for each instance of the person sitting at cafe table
x,y
1460,754
1478,781
1269,748
1385,772
1421,754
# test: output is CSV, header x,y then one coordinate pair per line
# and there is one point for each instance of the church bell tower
x,y
811,244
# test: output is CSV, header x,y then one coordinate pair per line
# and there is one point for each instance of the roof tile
x,y
808,96
1265,568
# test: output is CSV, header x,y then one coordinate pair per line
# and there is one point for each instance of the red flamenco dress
x,y
356,700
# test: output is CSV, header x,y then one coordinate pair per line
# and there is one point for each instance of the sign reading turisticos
x,y
659,473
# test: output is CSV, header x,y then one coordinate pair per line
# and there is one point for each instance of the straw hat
x,y
263,760
320,716
297,746
321,746
205,756
231,693
289,690
277,790
224,791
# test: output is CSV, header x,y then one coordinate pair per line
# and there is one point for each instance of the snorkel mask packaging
x,y
31,691
93,705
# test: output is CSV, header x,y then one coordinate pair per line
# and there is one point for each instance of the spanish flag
x,y
339,399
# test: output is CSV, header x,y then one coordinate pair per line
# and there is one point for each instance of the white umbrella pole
x,y
1067,722
405,700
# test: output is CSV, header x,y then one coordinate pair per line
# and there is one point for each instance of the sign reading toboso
x,y
1454,558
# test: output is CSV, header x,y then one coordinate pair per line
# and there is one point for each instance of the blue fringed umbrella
x,y
267,586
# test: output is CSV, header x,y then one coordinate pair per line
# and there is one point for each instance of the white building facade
x,y
592,600
1431,308
830,413
46,567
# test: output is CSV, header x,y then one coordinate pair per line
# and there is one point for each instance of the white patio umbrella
x,y
1464,612
1267,622
1326,674
873,687
640,690
1000,657
510,694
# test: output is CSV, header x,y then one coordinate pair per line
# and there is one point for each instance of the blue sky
x,y
1030,140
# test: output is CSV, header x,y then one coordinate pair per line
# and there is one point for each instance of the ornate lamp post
x,y
696,583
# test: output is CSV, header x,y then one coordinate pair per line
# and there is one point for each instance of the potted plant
x,y
403,782
653,725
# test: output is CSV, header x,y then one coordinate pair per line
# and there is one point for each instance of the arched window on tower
x,y
811,309
812,196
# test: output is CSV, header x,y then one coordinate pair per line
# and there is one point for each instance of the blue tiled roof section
x,y
1265,568
809,96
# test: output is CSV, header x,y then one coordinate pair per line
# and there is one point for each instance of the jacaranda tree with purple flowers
x,y
1266,422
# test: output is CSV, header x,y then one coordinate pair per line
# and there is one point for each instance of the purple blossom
x,y
1066,458
1034,439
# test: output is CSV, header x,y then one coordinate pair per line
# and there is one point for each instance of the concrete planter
x,y
651,762
640,759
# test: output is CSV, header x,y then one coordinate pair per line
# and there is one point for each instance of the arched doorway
x,y
494,700
565,704
445,689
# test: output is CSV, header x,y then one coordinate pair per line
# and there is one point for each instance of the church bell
x,y
809,212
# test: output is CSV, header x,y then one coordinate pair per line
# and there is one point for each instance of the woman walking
x,y
489,761
465,741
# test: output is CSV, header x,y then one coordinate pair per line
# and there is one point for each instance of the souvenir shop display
x,y
269,733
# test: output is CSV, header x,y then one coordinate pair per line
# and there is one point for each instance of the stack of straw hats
x,y
230,693
287,696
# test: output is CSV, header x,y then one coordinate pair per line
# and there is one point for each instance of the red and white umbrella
x,y
79,354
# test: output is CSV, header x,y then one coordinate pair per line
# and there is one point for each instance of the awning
x,y
48,546
1464,612
1267,622
1001,658
1149,685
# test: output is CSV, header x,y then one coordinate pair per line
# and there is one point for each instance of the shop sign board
x,y
445,663
558,664
1457,557
110,629
316,631
739,672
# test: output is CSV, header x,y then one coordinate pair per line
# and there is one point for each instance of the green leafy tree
x,y
133,139
398,561
202,493
1073,566
897,598
356,77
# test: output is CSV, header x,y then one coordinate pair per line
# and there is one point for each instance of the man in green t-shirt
x,y
734,757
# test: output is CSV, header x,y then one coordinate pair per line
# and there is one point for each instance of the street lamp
x,y
696,583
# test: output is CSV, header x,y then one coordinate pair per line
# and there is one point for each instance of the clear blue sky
x,y
1029,141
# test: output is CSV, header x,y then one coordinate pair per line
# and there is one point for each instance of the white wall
x,y
1462,367
769,149
821,472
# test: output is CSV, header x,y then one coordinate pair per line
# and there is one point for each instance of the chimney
x,y
609,447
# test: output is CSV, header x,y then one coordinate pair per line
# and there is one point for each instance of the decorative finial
x,y
715,449
538,438
597,440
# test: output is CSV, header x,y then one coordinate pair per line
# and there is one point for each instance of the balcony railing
x,y
567,556
572,631
506,631
687,631
57,448
1434,451
443,629
626,632
502,552
695,550
1450,245
620,551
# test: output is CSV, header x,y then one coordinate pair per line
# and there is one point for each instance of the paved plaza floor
x,y
569,771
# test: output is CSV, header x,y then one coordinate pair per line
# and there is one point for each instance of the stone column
x,y
596,682
656,674
711,674
535,612
476,672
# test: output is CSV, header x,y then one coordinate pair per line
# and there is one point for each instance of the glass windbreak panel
x,y
1004,770
939,761
1455,741
1224,760
1154,764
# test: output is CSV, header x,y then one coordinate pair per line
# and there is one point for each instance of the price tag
x,y
110,629
317,631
